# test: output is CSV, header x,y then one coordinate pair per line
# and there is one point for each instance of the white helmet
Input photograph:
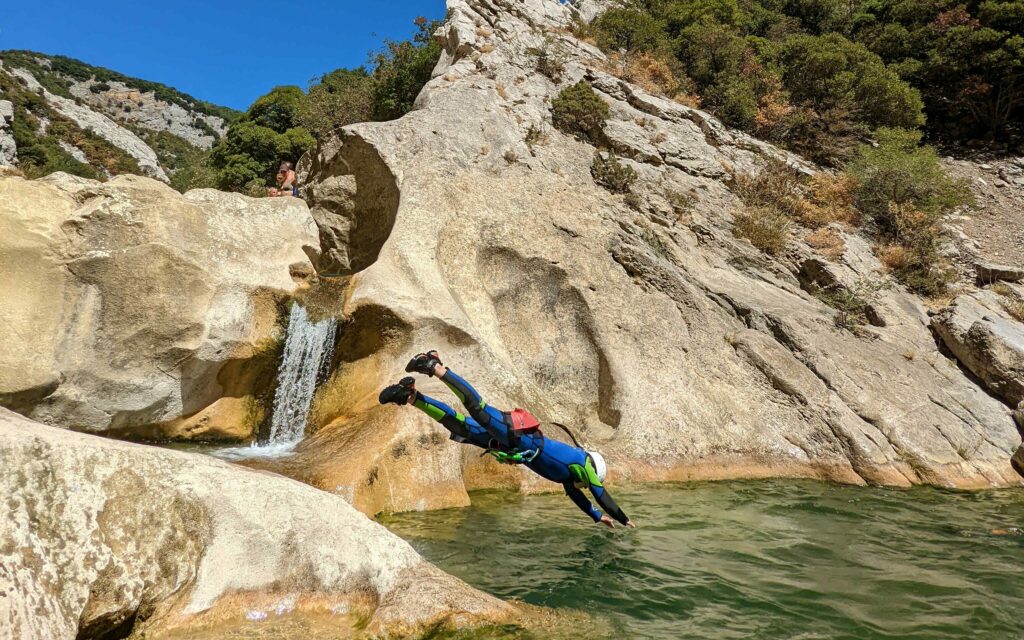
x,y
599,465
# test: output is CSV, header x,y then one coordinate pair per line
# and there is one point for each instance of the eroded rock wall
x,y
678,349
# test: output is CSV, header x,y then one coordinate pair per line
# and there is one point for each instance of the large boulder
x,y
677,348
133,310
988,342
100,539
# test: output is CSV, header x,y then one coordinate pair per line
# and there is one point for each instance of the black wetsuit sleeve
x,y
581,501
604,499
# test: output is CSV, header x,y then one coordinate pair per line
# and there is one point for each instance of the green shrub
x,y
99,87
612,174
903,188
197,175
257,143
828,73
629,29
900,172
819,75
853,304
578,111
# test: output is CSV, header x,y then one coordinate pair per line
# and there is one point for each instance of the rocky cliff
x,y
101,539
131,309
122,111
473,226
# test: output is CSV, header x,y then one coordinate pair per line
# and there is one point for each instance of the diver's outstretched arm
x,y
581,501
605,500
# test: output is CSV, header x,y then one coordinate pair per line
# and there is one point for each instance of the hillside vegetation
x,y
43,150
54,72
817,76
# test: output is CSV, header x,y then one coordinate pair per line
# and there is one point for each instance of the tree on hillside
x,y
341,97
247,158
286,122
401,70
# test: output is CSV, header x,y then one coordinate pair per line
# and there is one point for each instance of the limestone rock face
x,y
101,125
8,148
96,533
132,309
665,341
149,112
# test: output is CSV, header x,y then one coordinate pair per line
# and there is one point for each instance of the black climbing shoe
x,y
398,393
424,363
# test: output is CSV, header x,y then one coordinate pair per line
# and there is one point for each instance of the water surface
x,y
777,559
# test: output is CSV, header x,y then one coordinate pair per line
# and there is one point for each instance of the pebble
x,y
986,166
1000,184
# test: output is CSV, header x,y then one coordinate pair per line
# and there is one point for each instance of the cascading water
x,y
307,348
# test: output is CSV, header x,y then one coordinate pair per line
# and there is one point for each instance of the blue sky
x,y
227,52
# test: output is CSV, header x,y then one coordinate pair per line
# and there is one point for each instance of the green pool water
x,y
779,559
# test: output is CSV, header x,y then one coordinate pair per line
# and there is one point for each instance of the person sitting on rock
x,y
513,438
287,182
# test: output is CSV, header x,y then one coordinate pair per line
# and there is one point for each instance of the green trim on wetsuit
x,y
586,474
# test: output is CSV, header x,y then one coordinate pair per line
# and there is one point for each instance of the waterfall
x,y
307,350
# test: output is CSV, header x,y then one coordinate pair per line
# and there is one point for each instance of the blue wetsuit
x,y
486,427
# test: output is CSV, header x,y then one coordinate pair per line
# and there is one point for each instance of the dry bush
x,y
551,59
915,258
830,199
650,72
773,110
765,227
687,99
894,257
826,241
681,203
776,186
1015,308
1013,304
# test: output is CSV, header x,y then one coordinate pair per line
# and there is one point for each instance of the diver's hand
x,y
606,521
629,523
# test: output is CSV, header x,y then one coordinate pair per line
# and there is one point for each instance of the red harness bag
x,y
523,422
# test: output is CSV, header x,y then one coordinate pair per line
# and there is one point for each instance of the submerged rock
x,y
100,538
678,349
136,311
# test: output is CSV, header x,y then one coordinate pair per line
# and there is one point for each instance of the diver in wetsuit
x,y
503,435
